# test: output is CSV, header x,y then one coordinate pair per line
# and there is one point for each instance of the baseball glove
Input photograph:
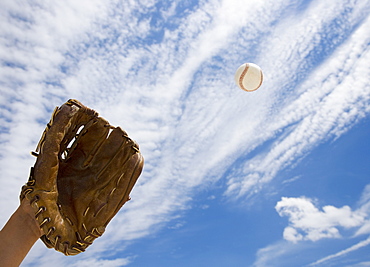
x,y
84,173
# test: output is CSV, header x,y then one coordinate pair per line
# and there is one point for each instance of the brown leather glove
x,y
84,173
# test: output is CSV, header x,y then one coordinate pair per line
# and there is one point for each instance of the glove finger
x,y
125,184
113,196
113,151
88,142
46,166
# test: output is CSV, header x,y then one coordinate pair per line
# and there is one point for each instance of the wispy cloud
x,y
280,253
334,96
164,72
357,246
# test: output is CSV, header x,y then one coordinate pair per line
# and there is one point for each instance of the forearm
x,y
18,236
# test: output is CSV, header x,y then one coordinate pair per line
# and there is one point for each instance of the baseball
x,y
249,77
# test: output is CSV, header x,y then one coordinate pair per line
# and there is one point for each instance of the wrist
x,y
27,215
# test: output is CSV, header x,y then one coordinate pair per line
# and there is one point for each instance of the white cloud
x,y
307,222
292,234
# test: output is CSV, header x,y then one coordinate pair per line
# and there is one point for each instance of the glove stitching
x,y
45,221
85,212
68,220
41,210
50,231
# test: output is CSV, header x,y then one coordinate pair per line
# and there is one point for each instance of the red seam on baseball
x,y
242,77
261,79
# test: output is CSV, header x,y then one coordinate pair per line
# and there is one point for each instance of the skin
x,y
18,235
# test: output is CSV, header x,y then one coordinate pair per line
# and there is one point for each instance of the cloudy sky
x,y
276,177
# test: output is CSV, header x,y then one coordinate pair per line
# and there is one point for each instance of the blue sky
x,y
276,177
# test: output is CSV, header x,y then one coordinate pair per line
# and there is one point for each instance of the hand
x,y
18,235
